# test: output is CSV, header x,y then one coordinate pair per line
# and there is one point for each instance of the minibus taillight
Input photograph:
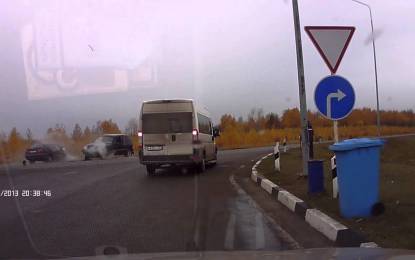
x,y
140,139
195,135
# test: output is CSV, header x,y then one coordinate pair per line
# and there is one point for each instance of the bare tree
x,y
29,135
132,127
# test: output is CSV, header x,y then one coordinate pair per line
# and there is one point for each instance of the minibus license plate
x,y
154,148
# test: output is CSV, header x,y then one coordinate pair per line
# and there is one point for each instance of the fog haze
x,y
230,55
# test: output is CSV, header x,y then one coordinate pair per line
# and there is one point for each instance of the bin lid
x,y
351,144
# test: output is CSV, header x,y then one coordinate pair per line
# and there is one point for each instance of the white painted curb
x,y
369,245
288,199
268,185
314,217
323,223
254,176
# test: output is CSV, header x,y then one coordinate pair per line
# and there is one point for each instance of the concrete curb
x,y
332,229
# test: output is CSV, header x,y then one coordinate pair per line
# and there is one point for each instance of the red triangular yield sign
x,y
331,42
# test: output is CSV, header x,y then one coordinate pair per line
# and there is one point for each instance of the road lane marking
x,y
70,173
236,186
230,233
196,217
196,237
280,232
259,232
195,195
102,250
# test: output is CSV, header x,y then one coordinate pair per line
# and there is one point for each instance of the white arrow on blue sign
x,y
334,97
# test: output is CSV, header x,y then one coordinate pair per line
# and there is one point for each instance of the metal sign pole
x,y
336,131
301,87
335,127
376,69
376,76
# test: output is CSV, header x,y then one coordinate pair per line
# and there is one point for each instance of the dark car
x,y
110,144
45,152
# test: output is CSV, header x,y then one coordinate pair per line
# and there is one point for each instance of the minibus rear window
x,y
163,123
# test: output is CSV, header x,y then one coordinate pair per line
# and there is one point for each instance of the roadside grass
x,y
393,229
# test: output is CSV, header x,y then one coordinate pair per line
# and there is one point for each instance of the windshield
x,y
37,146
205,125
104,139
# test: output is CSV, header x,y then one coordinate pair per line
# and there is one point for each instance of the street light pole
x,y
376,70
301,88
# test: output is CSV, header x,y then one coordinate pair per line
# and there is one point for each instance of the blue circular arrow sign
x,y
334,97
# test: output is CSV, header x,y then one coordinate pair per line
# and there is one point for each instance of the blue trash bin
x,y
315,176
358,175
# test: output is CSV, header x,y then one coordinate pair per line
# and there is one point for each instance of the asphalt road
x,y
113,203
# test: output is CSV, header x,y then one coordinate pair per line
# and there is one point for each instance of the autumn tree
x,y
260,120
251,124
77,132
15,143
109,127
398,118
105,127
3,137
360,117
256,119
291,118
227,121
87,133
272,121
244,133
3,146
316,119
57,134
96,129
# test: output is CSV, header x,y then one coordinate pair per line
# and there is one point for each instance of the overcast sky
x,y
81,61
